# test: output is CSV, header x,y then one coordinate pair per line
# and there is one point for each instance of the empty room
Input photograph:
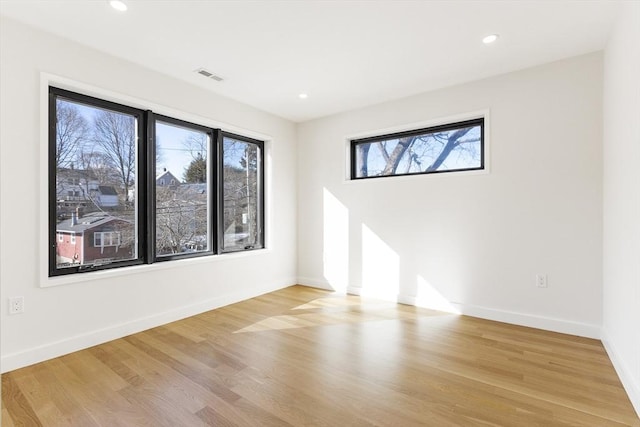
x,y
320,213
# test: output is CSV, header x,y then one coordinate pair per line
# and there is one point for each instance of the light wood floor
x,y
304,357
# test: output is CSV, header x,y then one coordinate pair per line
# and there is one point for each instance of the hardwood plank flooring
x,y
306,357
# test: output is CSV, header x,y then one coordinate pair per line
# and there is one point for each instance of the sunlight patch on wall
x,y
380,267
429,297
335,242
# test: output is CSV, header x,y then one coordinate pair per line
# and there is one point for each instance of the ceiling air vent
x,y
209,74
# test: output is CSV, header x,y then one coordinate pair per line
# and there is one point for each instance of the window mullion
x,y
150,193
141,173
219,192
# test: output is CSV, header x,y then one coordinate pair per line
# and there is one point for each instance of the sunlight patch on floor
x,y
339,309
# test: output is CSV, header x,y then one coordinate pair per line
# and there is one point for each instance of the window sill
x,y
48,282
412,177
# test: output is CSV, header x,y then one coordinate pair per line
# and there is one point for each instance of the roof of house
x,y
76,173
107,190
87,222
167,174
194,188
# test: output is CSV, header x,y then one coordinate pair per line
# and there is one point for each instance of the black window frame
x,y
212,177
261,196
146,185
354,143
141,179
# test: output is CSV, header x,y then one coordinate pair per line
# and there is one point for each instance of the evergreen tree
x,y
196,172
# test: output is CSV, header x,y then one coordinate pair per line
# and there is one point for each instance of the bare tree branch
x,y
449,146
115,133
72,131
396,155
197,144
383,151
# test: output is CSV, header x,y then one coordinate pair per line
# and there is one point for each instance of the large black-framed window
x,y
97,166
450,147
130,187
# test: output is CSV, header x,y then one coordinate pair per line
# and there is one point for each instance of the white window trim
x,y
47,80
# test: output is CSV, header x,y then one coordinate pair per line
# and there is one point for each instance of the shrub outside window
x,y
446,148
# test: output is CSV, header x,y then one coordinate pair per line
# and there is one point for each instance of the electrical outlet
x,y
541,280
16,305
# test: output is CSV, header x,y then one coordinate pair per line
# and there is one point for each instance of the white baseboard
x,y
50,350
530,320
315,283
354,290
630,384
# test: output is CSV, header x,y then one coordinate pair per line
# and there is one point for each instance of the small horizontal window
x,y
446,148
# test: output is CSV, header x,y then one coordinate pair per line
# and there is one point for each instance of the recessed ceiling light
x,y
490,38
303,96
118,5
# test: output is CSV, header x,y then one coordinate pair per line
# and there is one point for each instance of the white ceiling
x,y
344,54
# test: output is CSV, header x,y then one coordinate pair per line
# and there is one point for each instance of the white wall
x,y
474,240
64,318
621,266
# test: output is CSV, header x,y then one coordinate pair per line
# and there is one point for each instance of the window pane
x,y
242,205
446,148
95,175
182,190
